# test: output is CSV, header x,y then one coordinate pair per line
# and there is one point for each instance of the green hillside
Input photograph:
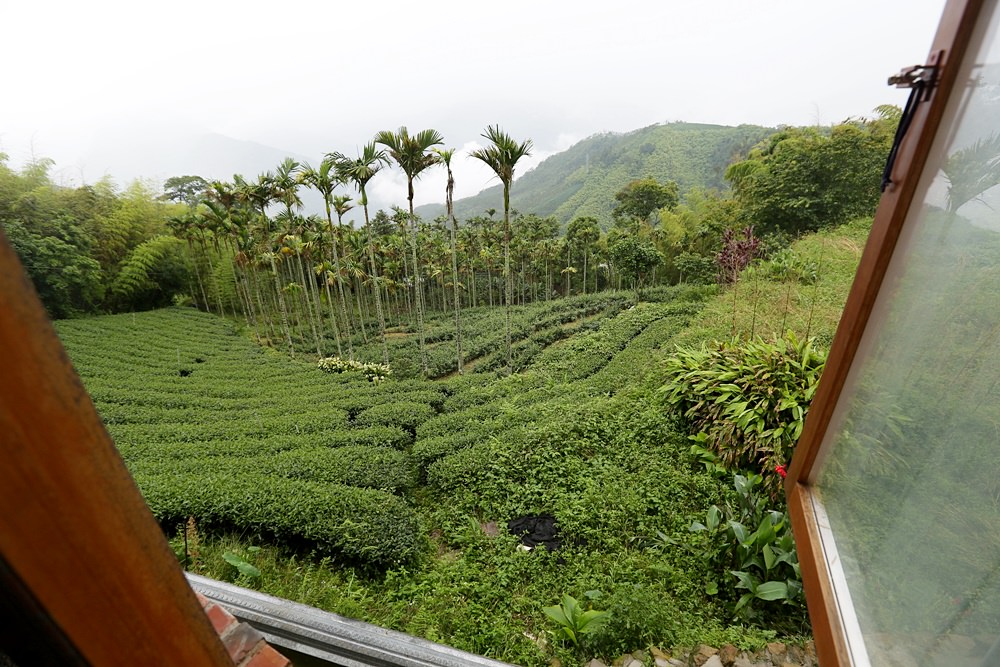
x,y
389,502
584,179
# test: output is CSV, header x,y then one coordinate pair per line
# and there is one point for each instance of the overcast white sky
x,y
312,77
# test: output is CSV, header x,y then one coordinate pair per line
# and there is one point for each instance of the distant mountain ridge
x,y
583,179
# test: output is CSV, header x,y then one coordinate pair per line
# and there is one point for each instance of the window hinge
x,y
921,80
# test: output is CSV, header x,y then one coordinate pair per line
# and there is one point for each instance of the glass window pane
x,y
910,489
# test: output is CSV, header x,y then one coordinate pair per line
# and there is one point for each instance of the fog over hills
x,y
581,180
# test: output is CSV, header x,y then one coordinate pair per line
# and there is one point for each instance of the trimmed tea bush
x,y
368,467
402,414
364,525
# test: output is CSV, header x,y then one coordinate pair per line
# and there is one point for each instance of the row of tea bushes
x,y
365,467
483,333
236,436
362,525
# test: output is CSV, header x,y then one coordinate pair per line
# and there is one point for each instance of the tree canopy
x,y
804,179
641,197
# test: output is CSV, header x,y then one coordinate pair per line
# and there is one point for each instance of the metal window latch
x,y
919,76
921,80
908,76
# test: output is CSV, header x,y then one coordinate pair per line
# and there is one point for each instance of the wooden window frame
x,y
76,538
947,52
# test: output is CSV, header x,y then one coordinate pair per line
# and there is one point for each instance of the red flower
x,y
781,471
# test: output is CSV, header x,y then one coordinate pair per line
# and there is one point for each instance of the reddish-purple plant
x,y
738,250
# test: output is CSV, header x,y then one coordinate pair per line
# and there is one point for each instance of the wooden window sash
x,y
948,49
74,529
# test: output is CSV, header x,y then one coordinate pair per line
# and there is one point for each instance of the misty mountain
x,y
159,153
583,180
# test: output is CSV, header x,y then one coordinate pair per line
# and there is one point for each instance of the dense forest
x,y
501,415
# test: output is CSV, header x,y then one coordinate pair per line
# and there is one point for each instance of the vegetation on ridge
x,y
390,500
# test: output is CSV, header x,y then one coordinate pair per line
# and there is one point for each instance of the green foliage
x,y
406,415
188,190
749,399
307,465
787,265
754,545
363,525
367,467
634,258
243,566
67,281
638,199
583,180
804,179
74,242
760,304
573,621
694,268
152,275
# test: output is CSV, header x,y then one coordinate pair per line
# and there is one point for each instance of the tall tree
x,y
413,155
324,179
638,200
445,155
260,195
803,179
190,190
583,232
361,171
502,156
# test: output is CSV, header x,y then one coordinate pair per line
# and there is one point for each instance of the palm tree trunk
x,y
340,283
240,295
211,271
201,285
508,278
333,314
260,304
283,309
489,284
419,289
250,303
375,284
361,310
307,297
474,295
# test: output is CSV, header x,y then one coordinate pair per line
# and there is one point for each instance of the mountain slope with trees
x,y
583,180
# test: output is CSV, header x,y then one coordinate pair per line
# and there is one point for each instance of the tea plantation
x,y
390,501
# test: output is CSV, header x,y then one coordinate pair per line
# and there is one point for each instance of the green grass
x,y
762,306
375,501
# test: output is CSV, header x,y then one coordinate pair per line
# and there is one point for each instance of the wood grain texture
x,y
73,526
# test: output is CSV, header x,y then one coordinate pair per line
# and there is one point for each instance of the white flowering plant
x,y
372,371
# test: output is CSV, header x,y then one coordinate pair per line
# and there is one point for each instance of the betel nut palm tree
x,y
502,156
361,171
259,195
445,155
413,155
324,180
